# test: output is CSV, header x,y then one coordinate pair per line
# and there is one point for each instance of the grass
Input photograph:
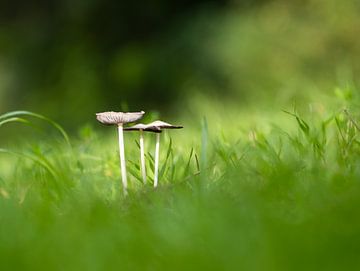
x,y
280,198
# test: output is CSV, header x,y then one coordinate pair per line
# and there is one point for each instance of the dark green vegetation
x,y
99,55
280,199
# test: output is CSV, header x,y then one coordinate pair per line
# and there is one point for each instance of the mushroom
x,y
120,118
141,128
157,126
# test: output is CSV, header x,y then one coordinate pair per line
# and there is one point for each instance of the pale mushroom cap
x,y
163,125
115,118
155,126
143,127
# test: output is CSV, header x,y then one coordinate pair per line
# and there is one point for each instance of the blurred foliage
x,y
69,59
284,199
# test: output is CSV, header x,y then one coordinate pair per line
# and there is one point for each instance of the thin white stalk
x,y
122,158
142,156
157,151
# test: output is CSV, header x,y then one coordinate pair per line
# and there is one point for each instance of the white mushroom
x,y
141,128
158,124
156,127
120,118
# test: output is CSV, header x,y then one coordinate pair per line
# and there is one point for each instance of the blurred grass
x,y
272,198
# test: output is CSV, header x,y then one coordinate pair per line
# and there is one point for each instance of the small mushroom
x,y
120,118
158,124
155,127
141,128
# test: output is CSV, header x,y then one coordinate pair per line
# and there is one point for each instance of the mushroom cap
x,y
143,127
115,118
155,126
163,125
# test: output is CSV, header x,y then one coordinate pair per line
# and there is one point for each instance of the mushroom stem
x,y
157,150
142,155
122,158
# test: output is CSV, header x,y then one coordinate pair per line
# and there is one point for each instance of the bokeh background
x,y
69,59
243,187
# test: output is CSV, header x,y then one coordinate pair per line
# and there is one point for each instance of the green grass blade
x,y
163,167
10,120
16,114
204,145
187,167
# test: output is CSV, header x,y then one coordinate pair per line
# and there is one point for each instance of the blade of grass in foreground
x,y
164,166
204,145
10,120
13,116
